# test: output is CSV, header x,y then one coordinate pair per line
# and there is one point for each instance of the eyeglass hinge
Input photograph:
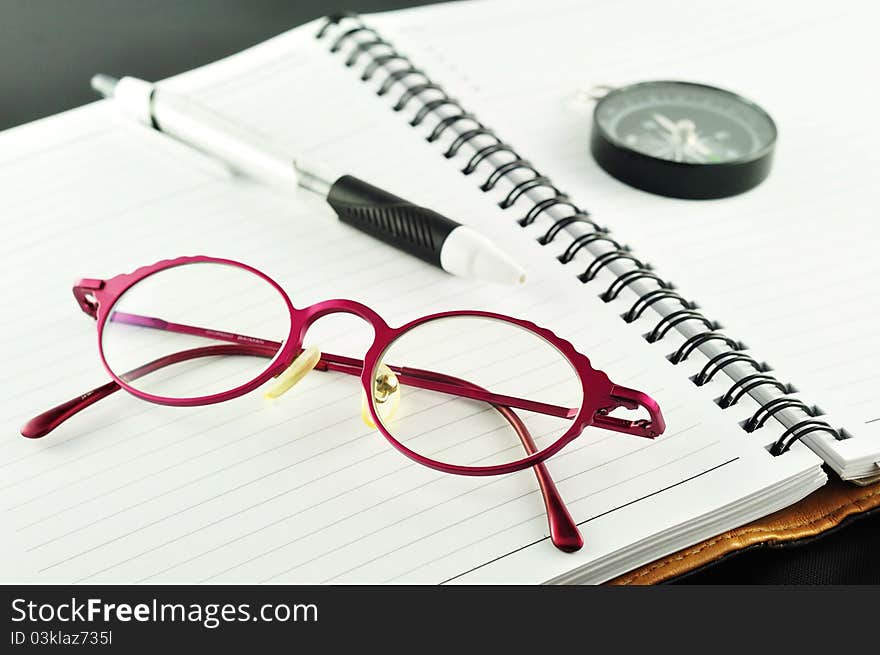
x,y
631,399
83,291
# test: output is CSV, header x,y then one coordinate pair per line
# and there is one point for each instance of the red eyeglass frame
x,y
601,396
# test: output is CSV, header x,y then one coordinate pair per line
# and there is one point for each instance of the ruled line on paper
x,y
485,484
571,502
654,493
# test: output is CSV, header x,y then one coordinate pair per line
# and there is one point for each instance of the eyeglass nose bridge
x,y
309,358
305,318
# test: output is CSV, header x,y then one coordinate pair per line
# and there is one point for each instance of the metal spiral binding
x,y
421,84
604,260
798,430
720,361
644,301
665,324
582,242
768,410
624,280
695,341
746,384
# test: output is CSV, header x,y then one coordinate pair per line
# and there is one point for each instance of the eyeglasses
x,y
464,392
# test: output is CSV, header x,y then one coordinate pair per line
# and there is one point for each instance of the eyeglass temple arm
x,y
408,376
423,379
44,423
414,377
41,425
563,530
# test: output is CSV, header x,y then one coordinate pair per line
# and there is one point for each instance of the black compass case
x,y
694,181
678,179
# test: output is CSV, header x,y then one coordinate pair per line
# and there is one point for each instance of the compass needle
x,y
665,122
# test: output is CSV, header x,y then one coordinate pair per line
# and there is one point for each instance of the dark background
x,y
49,49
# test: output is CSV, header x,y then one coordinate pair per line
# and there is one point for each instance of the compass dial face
x,y
684,122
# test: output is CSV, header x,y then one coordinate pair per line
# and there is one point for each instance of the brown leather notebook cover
x,y
822,510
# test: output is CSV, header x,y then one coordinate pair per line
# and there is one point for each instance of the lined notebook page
x,y
299,489
789,267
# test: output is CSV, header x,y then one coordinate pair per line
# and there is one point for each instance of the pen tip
x,y
104,84
468,253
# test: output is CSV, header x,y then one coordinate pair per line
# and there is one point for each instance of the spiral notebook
x,y
820,385
296,491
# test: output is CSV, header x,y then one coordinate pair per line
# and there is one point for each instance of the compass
x,y
682,139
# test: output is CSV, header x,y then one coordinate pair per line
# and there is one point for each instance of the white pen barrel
x,y
213,134
413,229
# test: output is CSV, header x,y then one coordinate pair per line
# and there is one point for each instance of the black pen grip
x,y
408,227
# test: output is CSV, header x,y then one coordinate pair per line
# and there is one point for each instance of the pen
x,y
422,232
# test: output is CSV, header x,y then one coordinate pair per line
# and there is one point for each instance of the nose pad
x,y
386,393
298,369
